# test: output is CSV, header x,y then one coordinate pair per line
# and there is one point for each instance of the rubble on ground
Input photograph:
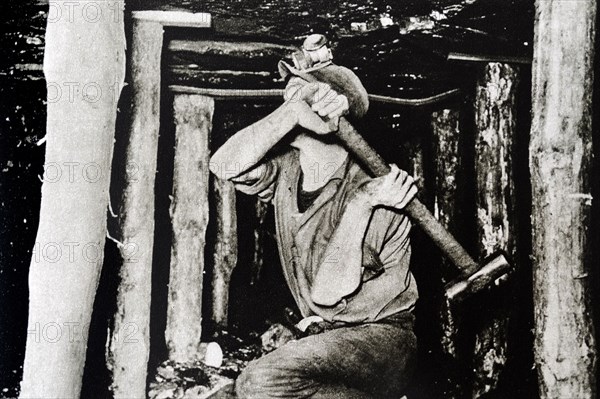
x,y
196,380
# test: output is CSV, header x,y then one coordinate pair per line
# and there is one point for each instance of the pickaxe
x,y
473,277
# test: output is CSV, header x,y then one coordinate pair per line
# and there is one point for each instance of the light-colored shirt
x,y
387,286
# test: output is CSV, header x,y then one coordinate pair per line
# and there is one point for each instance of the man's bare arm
x,y
246,148
340,271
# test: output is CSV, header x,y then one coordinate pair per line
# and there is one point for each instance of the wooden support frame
x,y
189,217
189,220
128,362
277,95
226,249
560,162
447,141
68,255
495,120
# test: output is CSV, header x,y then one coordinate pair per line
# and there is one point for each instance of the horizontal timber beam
x,y
489,58
180,19
237,94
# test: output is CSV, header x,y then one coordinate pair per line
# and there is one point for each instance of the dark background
x,y
389,63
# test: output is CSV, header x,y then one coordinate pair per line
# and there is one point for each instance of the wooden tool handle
x,y
415,209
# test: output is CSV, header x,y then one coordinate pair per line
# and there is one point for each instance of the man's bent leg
x,y
370,359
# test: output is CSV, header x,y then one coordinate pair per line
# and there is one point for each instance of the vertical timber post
x,y
560,161
189,218
129,342
495,116
446,133
226,249
447,142
69,248
417,171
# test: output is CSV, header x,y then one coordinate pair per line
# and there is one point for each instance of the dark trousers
x,y
374,360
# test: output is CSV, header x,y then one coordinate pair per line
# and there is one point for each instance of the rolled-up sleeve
x,y
260,181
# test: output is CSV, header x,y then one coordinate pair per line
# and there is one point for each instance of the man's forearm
x,y
347,239
248,146
340,271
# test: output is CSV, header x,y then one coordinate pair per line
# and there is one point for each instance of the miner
x,y
343,241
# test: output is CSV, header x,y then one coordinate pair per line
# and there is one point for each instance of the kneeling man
x,y
343,242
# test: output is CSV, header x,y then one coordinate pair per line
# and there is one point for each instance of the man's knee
x,y
274,376
253,382
245,384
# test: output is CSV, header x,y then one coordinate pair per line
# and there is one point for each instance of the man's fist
x,y
322,99
394,190
310,120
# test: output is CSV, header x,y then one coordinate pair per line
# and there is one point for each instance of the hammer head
x,y
495,267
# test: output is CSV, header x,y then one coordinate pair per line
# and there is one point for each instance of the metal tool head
x,y
494,268
313,54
